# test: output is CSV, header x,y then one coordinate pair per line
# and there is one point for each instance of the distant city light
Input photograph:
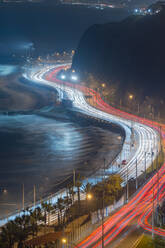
x,y
145,11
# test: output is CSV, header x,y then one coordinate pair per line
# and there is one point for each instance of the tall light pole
x,y
65,242
74,177
157,216
145,169
102,224
89,197
130,98
120,103
138,106
152,153
127,188
136,176
152,209
23,197
103,220
34,195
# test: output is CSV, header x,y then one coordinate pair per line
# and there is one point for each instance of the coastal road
x,y
146,151
147,139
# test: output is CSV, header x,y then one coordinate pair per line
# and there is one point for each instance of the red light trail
x,y
141,205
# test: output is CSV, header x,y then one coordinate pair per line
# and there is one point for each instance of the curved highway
x,y
147,141
144,152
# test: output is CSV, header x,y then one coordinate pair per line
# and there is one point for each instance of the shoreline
x,y
94,173
90,169
75,117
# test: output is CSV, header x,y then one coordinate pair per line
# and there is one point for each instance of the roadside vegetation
x,y
148,242
80,200
130,100
160,221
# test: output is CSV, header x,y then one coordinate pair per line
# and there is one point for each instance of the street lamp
x,y
103,85
5,191
127,187
130,96
89,196
102,224
65,242
153,209
145,166
136,176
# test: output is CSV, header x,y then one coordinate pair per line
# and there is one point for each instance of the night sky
x,y
48,27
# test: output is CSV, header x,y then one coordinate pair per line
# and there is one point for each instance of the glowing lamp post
x,y
65,242
89,196
130,96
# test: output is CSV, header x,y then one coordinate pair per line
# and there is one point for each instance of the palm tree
x,y
78,184
38,214
8,235
71,191
60,206
98,193
114,182
22,230
87,188
47,207
67,204
107,191
35,217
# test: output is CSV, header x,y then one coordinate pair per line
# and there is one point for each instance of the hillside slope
x,y
131,52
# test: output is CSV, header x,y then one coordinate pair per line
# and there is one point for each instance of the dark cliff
x,y
132,52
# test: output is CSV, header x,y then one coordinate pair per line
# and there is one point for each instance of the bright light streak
x,y
74,77
63,76
148,140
